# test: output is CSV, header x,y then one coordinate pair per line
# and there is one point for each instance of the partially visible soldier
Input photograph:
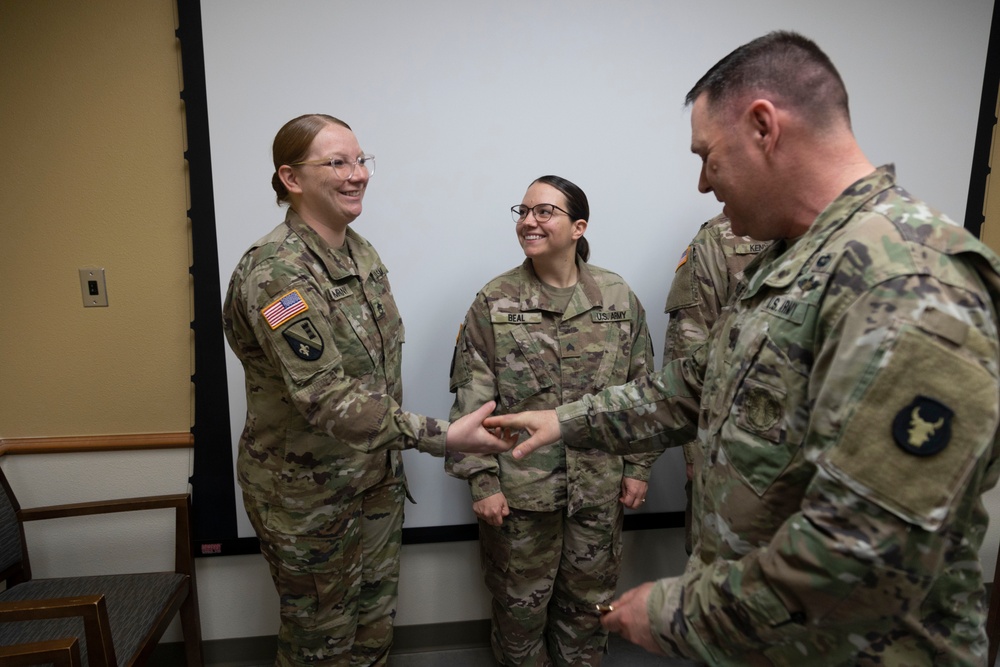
x,y
848,406
705,277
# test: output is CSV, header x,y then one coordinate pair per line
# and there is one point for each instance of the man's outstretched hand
x,y
541,425
467,434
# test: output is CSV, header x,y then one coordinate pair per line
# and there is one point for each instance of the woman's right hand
x,y
541,425
492,509
467,434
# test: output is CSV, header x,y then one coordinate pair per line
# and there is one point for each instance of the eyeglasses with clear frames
x,y
342,167
542,212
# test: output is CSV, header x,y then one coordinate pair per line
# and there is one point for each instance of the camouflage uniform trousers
x,y
546,572
337,576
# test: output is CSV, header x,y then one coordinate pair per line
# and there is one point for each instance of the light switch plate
x,y
93,287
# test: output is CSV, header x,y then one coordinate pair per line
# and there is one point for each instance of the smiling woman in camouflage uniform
x,y
550,331
311,316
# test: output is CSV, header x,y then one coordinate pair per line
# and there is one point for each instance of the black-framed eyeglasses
x,y
542,212
342,166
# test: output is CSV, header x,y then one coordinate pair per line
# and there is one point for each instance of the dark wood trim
x,y
95,443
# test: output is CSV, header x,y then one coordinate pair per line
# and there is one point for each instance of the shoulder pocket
x,y
914,402
683,289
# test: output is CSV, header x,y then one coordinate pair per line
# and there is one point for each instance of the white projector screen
x,y
465,103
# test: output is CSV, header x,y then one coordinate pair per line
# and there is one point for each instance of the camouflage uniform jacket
x,y
706,276
516,347
849,419
320,339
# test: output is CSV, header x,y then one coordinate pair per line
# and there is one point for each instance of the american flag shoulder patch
x,y
284,308
684,258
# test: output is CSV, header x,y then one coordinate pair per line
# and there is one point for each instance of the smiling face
x,y
315,191
555,239
732,167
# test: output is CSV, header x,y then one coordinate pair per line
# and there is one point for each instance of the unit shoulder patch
x,y
304,340
923,428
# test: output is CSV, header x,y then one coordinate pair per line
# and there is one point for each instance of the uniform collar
x,y
587,294
337,264
780,264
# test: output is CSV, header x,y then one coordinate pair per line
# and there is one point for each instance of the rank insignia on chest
x,y
285,308
304,340
923,428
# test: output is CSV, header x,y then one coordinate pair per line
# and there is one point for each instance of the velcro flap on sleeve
x,y
918,430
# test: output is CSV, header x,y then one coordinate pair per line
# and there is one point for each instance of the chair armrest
x,y
92,609
60,652
180,502
177,500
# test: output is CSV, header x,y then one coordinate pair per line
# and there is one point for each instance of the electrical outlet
x,y
95,292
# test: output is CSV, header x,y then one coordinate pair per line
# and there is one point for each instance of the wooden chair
x,y
117,619
58,652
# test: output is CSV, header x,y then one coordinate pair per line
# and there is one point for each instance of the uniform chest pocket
x,y
767,417
521,368
356,336
614,362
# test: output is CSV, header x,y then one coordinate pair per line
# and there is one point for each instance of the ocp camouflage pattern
x,y
706,276
516,347
828,537
317,430
558,553
320,339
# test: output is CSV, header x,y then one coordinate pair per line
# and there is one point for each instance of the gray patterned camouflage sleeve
x,y
639,465
647,414
474,383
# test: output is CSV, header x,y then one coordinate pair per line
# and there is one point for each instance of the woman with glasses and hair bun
x,y
550,331
311,316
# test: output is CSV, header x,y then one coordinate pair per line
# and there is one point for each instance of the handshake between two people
x,y
480,433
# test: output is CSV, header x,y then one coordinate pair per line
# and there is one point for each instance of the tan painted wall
x,y
92,175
